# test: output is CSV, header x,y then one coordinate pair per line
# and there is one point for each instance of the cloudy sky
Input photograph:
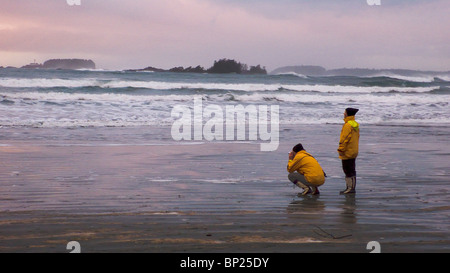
x,y
121,34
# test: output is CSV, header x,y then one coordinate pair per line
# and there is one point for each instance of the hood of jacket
x,y
351,120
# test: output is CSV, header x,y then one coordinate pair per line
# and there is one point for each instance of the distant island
x,y
314,71
223,66
62,64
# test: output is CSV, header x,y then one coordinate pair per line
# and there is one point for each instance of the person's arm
x,y
292,164
345,138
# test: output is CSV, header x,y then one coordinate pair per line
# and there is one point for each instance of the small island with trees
x,y
62,64
223,66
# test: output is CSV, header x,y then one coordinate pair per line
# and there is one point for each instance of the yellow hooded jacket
x,y
306,164
349,140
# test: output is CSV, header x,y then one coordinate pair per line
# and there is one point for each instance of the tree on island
x,y
223,66
257,70
189,69
68,64
226,66
62,64
232,66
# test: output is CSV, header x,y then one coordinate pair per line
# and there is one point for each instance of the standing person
x,y
305,171
348,149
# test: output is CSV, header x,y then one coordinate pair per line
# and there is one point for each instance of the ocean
x,y
95,98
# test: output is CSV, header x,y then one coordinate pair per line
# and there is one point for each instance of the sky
x,y
126,34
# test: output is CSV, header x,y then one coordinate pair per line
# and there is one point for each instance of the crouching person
x,y
305,171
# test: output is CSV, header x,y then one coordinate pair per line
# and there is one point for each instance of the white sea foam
x,y
254,97
109,102
162,85
389,99
293,74
221,181
418,78
83,123
109,110
46,83
100,98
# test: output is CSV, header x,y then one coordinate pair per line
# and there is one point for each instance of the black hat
x,y
297,148
351,111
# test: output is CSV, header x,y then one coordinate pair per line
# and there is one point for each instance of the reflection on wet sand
x,y
221,197
308,206
348,206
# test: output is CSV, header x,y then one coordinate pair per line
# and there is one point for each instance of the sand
x,y
136,190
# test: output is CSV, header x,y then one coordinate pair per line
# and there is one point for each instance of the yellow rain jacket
x,y
349,141
306,164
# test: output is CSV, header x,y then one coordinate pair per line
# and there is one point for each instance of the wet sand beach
x,y
136,190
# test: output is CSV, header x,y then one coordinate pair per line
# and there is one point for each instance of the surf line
x,y
229,122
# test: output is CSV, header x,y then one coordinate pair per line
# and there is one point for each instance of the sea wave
x,y
292,74
245,87
416,78
254,87
166,120
47,83
54,99
64,98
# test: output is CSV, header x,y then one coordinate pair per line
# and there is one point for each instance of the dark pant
x,y
349,167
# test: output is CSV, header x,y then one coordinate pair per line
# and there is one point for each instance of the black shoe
x,y
315,191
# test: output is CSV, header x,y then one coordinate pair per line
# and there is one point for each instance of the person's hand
x,y
291,155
